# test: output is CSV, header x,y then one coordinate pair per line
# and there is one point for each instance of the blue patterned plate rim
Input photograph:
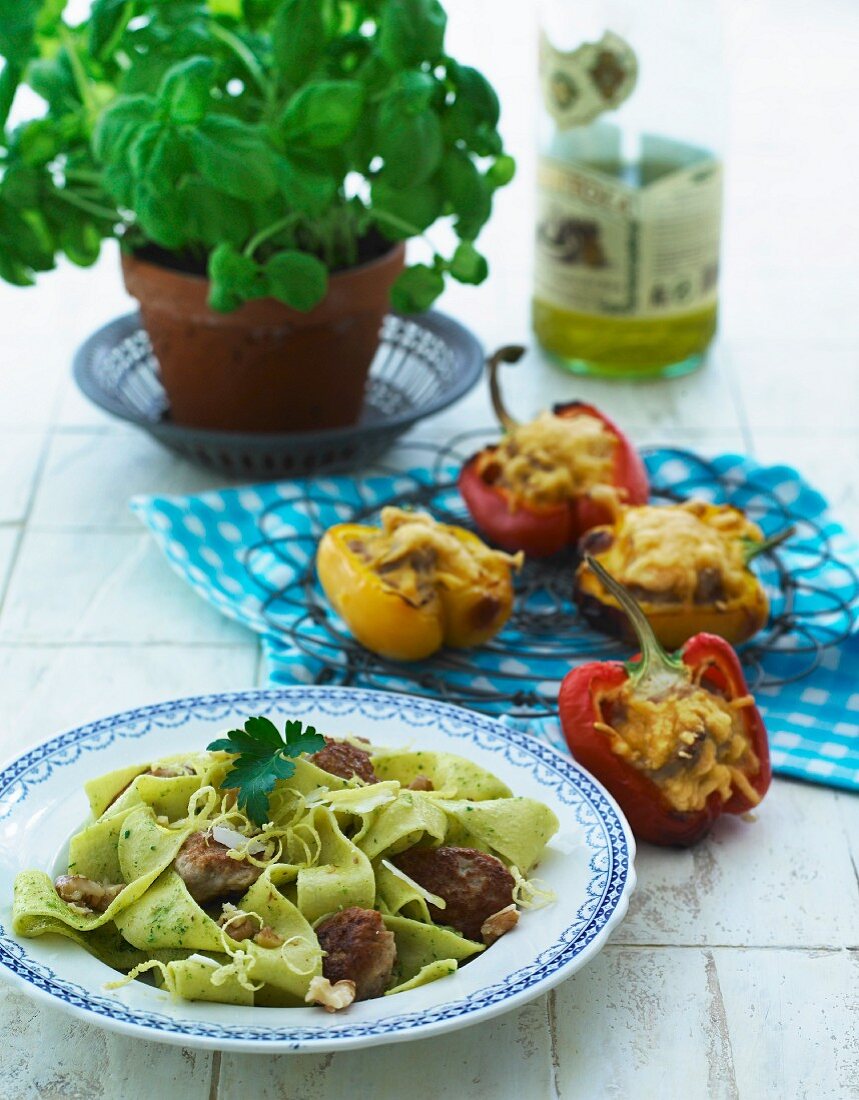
x,y
564,782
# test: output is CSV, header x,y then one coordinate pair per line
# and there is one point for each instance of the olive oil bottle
x,y
629,185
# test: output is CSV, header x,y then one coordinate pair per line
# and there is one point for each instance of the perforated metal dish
x,y
423,365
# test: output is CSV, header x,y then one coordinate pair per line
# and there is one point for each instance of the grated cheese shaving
x,y
432,899
554,458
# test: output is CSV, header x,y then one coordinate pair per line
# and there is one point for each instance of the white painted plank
x,y
510,1056
639,1022
48,1055
111,586
765,883
89,478
20,453
793,1022
49,689
8,543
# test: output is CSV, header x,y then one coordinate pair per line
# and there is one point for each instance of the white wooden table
x,y
735,973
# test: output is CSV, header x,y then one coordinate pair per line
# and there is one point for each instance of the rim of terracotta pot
x,y
397,248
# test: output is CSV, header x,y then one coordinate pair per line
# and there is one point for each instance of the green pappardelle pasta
x,y
374,871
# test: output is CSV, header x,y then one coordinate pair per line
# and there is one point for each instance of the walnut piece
x,y
499,924
331,997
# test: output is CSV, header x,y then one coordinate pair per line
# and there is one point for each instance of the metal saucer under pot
x,y
424,364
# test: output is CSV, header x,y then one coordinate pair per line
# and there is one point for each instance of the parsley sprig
x,y
264,757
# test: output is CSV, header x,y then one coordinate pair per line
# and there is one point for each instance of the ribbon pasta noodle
x,y
135,898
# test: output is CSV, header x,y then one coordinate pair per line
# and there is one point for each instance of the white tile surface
x,y
82,1061
753,884
616,1020
730,977
463,1063
53,688
104,586
90,476
792,1017
9,537
20,453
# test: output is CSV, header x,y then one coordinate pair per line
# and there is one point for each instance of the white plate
x,y
588,865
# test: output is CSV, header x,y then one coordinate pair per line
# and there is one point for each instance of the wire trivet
x,y
518,670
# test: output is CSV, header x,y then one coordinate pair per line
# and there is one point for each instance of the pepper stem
x,y
655,662
512,353
754,549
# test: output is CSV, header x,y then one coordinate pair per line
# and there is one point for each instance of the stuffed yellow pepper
x,y
687,565
413,585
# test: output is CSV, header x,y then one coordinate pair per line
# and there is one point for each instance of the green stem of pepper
x,y
510,354
656,671
754,548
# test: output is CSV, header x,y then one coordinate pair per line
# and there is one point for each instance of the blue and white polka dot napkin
x,y
225,545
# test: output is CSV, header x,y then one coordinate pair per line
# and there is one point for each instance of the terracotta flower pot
x,y
264,367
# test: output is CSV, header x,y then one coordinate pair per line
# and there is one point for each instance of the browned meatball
x,y
359,949
474,884
346,760
209,872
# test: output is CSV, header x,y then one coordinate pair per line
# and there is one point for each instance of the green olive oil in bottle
x,y
629,185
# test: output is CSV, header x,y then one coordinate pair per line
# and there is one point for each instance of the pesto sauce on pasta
x,y
325,849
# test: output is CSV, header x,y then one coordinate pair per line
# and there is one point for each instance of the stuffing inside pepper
x,y
415,555
689,553
689,741
553,458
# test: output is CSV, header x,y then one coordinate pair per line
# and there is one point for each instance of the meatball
x,y
474,884
346,760
359,949
209,872
85,893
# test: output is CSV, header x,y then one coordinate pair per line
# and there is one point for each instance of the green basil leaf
x,y
39,142
323,115
412,92
410,145
234,278
234,158
81,241
118,182
185,91
411,31
468,265
160,154
161,215
120,124
416,289
502,171
10,78
417,208
23,240
298,39
18,29
212,217
107,20
296,278
466,191
22,185
305,188
475,94
52,78
13,271
258,12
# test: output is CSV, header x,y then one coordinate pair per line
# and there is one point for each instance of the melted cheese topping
x,y
665,549
555,458
415,554
689,742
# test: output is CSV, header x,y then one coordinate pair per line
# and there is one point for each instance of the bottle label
x,y
581,84
605,247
